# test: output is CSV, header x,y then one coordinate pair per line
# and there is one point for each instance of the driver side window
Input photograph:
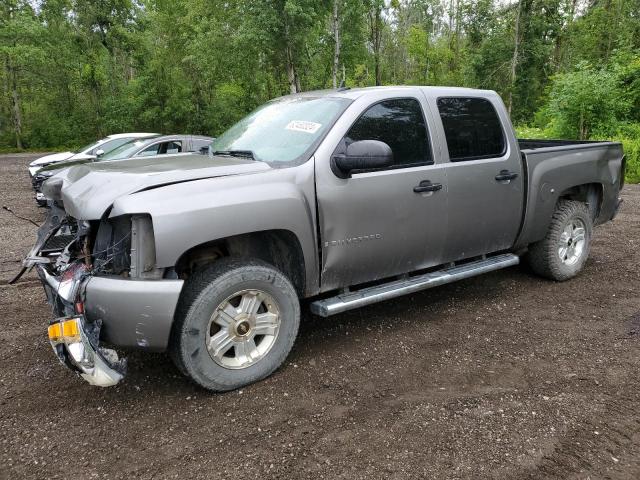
x,y
400,124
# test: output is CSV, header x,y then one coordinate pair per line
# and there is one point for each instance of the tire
x,y
548,257
205,317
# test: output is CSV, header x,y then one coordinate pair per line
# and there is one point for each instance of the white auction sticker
x,y
303,126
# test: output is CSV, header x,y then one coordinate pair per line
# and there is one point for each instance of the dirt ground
x,y
503,376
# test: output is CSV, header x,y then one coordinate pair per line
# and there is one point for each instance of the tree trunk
x,y
610,30
292,75
336,38
561,44
15,103
376,34
514,58
584,128
452,34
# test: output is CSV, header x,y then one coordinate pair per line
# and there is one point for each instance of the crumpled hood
x,y
88,190
54,157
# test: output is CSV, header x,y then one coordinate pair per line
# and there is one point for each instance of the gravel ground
x,y
501,376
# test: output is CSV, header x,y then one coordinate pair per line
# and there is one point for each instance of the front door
x,y
381,223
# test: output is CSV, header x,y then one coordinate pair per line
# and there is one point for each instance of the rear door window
x,y
400,124
472,128
171,147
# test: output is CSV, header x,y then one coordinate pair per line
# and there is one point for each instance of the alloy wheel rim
x,y
243,329
572,242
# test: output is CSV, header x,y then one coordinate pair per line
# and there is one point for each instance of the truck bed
x,y
553,166
536,144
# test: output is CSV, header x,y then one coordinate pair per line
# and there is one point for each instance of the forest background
x,y
72,71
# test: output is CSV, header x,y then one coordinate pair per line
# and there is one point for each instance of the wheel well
x,y
589,193
280,248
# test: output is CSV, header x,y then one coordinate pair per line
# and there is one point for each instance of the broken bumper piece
x,y
75,343
75,340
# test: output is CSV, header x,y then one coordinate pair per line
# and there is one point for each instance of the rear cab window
x,y
472,128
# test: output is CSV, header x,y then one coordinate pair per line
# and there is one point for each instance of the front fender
x,y
192,213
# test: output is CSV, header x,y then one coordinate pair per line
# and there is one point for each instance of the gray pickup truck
x,y
344,197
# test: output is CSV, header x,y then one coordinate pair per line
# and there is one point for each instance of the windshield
x,y
105,144
112,144
86,148
125,150
283,130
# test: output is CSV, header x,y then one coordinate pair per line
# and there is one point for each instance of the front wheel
x,y
562,254
235,325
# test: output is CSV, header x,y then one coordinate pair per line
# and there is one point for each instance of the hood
x,y
80,156
55,157
88,190
66,163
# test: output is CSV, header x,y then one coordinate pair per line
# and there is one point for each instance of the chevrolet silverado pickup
x,y
343,197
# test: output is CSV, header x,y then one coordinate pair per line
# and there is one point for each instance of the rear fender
x,y
557,173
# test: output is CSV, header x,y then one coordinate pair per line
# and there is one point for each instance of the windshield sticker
x,y
303,126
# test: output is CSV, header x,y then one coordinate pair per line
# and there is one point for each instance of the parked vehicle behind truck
x,y
84,154
345,197
150,145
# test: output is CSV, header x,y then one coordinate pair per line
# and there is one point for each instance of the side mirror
x,y
363,155
99,153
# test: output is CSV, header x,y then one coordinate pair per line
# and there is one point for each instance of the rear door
x,y
374,225
484,174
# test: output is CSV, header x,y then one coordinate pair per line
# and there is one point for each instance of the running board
x,y
366,296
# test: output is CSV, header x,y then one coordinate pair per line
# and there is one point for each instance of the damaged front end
x,y
102,282
65,263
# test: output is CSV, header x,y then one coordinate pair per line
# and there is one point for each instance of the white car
x,y
93,150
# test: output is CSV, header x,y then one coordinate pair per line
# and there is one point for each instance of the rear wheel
x,y
235,325
562,254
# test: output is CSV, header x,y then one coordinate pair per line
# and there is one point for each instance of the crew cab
x,y
343,197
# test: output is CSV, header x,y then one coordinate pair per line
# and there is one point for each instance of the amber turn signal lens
x,y
55,332
70,328
66,331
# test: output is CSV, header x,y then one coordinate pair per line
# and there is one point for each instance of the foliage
x,y
584,102
74,70
629,136
525,131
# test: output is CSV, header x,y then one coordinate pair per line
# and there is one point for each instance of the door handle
x,y
506,176
427,186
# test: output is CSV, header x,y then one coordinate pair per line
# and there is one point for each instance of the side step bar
x,y
366,296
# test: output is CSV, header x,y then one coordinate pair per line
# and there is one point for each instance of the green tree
x,y
21,53
584,103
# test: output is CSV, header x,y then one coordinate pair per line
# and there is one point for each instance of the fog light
x,y
80,355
